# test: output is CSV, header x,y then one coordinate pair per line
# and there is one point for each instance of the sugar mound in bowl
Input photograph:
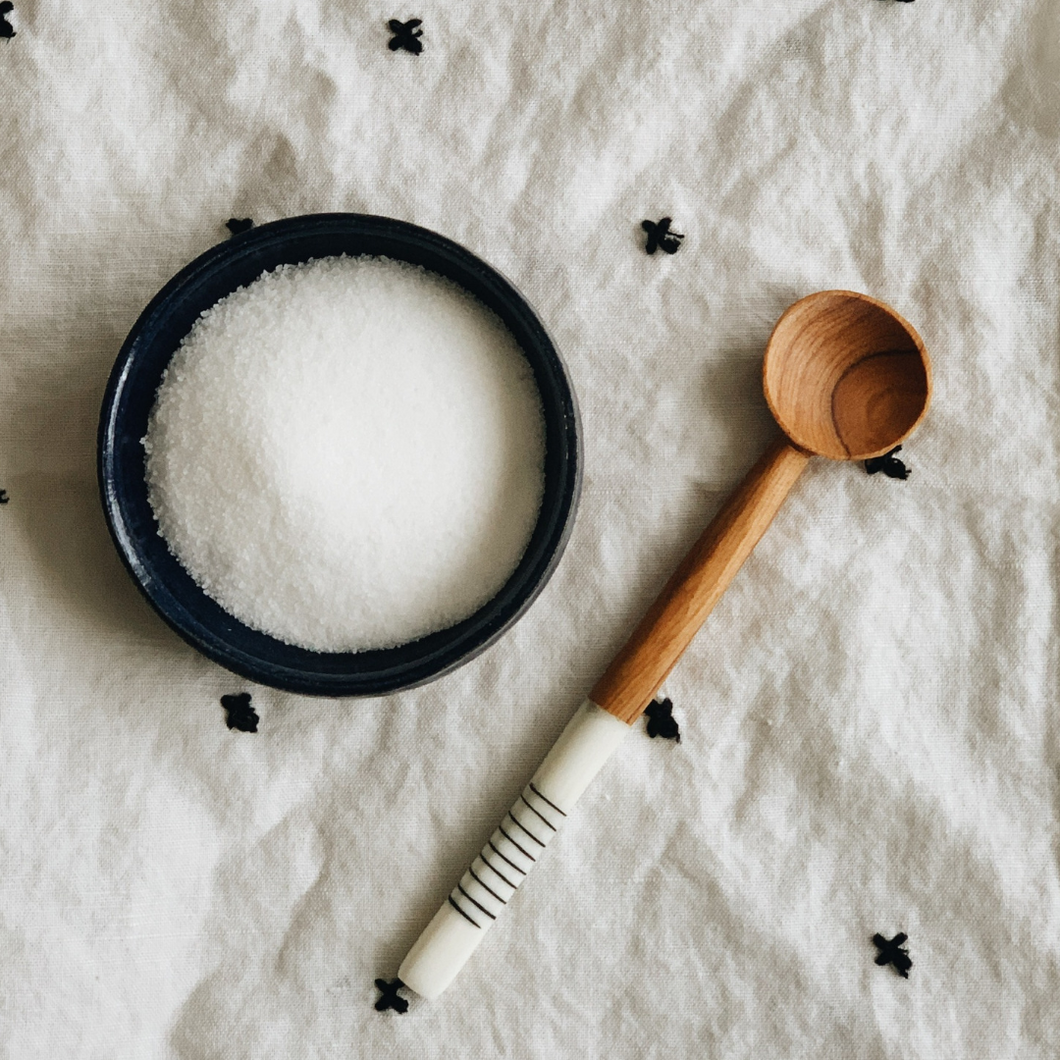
x,y
347,453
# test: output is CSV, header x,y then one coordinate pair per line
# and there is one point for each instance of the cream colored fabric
x,y
869,721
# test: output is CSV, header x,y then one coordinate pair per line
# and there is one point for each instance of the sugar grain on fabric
x,y
347,453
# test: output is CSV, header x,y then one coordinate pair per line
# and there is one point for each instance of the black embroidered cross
x,y
235,225
406,35
390,998
660,236
889,464
892,952
661,722
7,31
4,498
239,714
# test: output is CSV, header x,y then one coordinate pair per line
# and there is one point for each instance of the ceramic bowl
x,y
130,396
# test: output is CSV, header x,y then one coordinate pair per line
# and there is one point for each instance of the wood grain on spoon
x,y
846,376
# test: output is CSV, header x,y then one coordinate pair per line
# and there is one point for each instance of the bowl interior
x,y
130,396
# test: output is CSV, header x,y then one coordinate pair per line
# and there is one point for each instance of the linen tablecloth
x,y
869,738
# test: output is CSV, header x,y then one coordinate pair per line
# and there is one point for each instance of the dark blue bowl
x,y
131,394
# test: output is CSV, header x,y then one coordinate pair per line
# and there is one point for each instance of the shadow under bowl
x,y
130,396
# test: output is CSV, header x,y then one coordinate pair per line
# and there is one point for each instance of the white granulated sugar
x,y
347,453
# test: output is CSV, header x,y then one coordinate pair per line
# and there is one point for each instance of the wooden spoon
x,y
845,377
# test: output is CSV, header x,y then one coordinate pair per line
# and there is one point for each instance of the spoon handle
x,y
636,673
594,732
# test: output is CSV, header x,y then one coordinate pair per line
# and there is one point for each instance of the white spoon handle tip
x,y
511,852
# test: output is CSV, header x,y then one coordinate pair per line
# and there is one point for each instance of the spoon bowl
x,y
845,376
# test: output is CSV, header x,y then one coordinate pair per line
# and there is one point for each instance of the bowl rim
x,y
183,605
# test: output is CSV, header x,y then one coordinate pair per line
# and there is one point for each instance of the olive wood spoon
x,y
845,377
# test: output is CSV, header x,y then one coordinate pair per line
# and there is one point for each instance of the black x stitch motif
x,y
660,236
406,35
390,998
892,952
4,498
889,464
661,722
239,714
235,225
7,31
